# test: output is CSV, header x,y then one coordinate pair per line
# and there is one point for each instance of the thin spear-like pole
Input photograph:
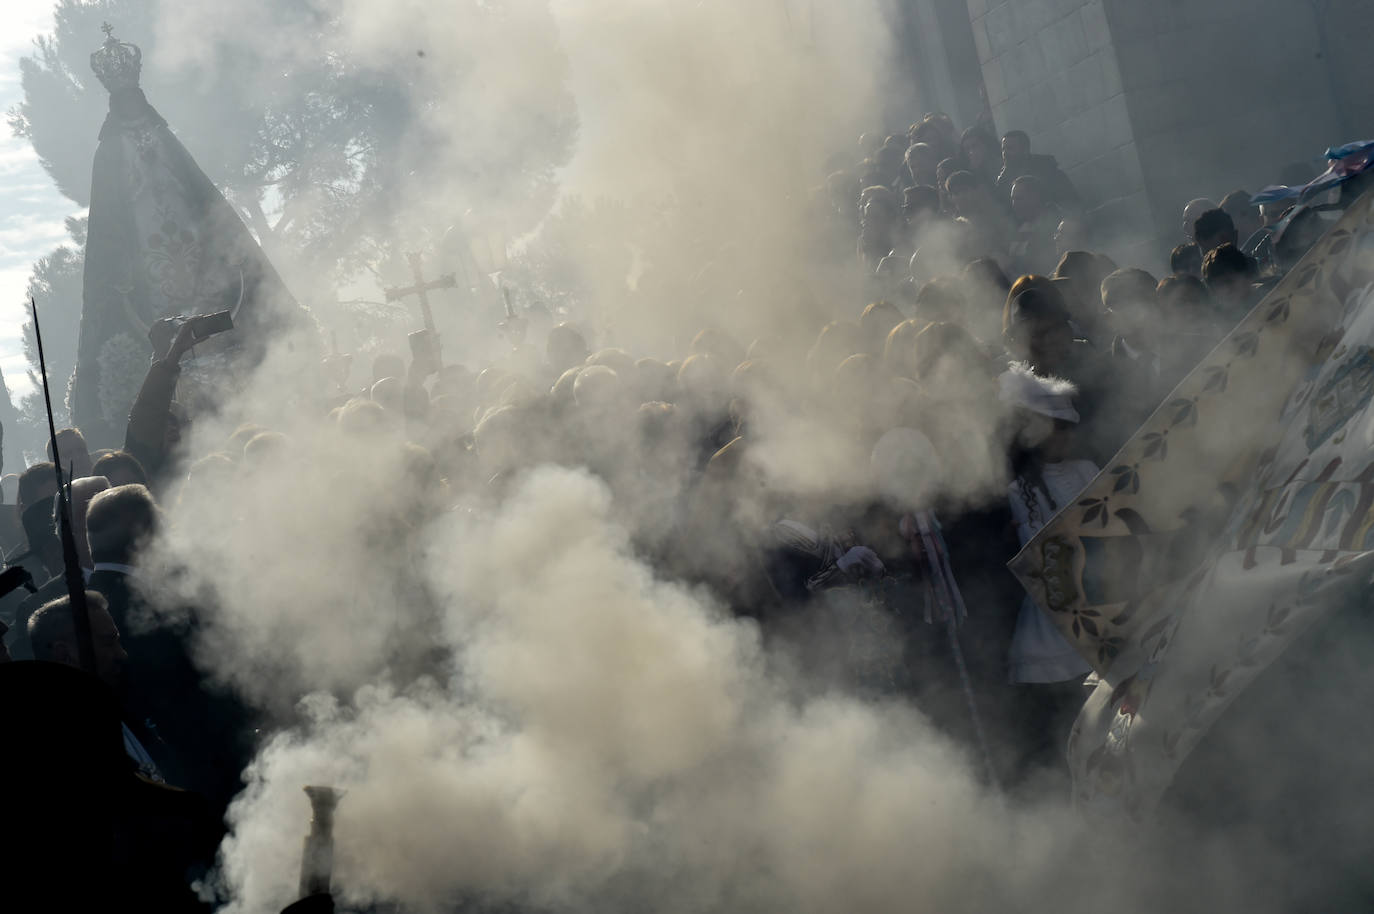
x,y
76,581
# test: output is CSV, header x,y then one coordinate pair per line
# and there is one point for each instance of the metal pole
x,y
952,607
76,581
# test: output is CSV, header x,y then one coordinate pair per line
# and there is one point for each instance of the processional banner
x,y
1238,515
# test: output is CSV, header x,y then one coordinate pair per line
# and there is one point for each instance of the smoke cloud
x,y
522,707
592,737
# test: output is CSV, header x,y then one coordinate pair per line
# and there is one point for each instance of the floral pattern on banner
x,y
173,257
169,230
1244,510
1206,440
123,363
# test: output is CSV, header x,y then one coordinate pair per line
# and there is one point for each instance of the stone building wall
x,y
1346,27
1148,103
1222,94
1050,69
936,60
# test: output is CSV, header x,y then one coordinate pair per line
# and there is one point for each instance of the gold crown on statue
x,y
117,64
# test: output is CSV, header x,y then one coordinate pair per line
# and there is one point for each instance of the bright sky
x,y
31,209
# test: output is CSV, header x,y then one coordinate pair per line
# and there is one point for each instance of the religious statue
x,y
162,243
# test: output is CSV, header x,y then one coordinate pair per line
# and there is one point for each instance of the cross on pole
x,y
421,288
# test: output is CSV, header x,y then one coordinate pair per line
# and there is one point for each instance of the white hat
x,y
1020,386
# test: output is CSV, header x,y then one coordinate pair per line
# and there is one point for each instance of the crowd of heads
x,y
984,350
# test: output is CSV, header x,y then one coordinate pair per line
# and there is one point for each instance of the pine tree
x,y
55,285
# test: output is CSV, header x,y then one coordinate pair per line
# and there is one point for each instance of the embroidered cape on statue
x,y
1240,513
162,242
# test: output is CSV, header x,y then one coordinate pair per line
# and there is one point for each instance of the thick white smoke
x,y
596,738
609,740
520,708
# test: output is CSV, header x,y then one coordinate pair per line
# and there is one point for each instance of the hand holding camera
x,y
173,337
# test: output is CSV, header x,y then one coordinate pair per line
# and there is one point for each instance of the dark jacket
x,y
82,831
12,604
208,733
980,542
20,649
1044,167
146,435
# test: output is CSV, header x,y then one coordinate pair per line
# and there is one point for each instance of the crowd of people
x,y
984,372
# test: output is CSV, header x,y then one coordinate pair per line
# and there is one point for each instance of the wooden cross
x,y
421,288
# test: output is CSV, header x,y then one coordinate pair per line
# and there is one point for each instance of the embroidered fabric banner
x,y
1240,513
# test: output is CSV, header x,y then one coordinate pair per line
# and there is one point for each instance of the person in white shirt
x,y
1046,477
